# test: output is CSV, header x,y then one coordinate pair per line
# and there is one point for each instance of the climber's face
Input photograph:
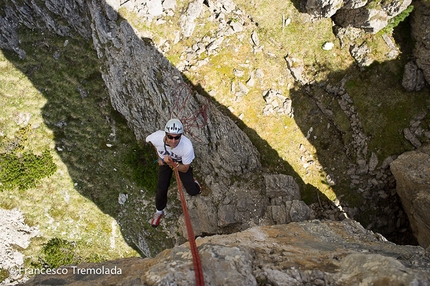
x,y
173,139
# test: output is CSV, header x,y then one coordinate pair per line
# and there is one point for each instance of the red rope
x,y
195,253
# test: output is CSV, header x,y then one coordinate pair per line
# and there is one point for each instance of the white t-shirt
x,y
184,152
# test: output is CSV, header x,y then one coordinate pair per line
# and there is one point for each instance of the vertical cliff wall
x,y
147,90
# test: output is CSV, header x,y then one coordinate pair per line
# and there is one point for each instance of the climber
x,y
174,151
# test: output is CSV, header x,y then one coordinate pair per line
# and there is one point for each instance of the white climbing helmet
x,y
174,126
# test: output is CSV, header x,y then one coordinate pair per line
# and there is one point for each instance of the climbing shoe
x,y
155,221
200,187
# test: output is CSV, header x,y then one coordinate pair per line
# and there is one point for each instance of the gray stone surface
x,y
412,173
305,253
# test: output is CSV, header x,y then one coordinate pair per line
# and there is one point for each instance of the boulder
x,y
412,173
323,9
370,16
413,77
370,20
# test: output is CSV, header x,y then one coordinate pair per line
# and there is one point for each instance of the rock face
x,y
420,24
370,16
417,71
412,173
148,90
305,253
14,235
413,77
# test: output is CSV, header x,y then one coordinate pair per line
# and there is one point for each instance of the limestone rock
x,y
354,4
411,137
420,23
413,77
282,186
305,253
367,15
297,69
276,103
321,8
361,54
188,19
412,173
15,236
255,39
285,201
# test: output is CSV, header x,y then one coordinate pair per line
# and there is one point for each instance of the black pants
x,y
164,176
